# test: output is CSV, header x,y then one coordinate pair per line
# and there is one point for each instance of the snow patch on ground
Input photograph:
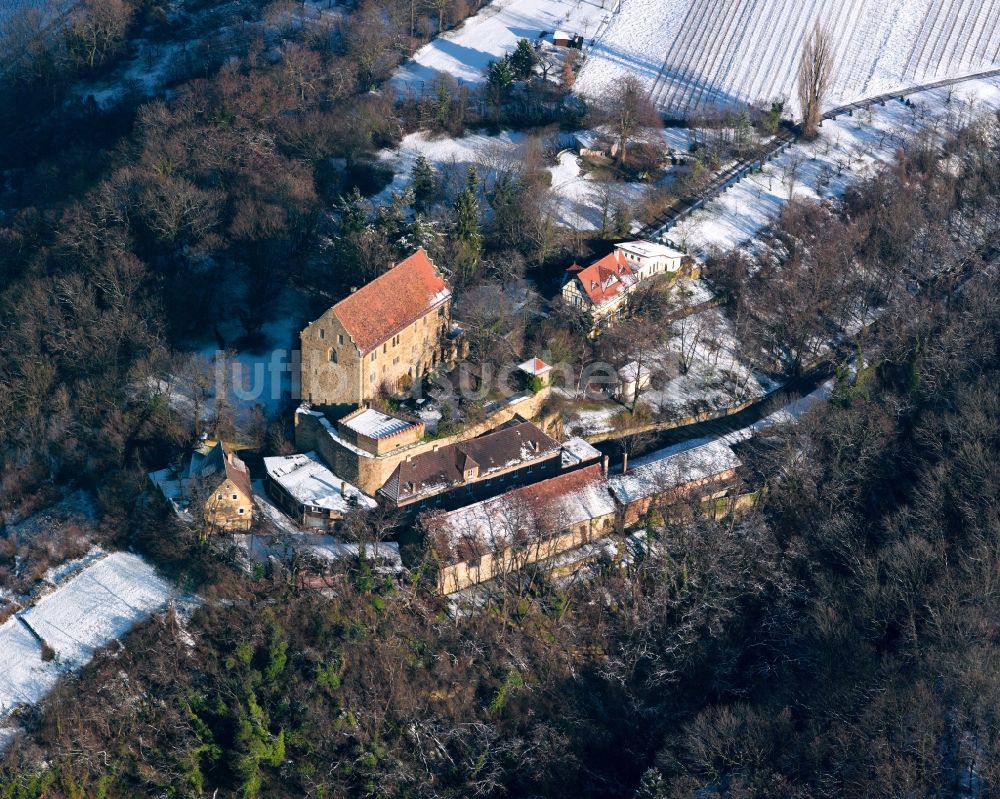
x,y
578,196
266,376
98,605
450,157
492,33
146,74
581,199
57,574
849,148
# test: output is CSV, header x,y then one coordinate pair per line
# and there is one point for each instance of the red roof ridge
x,y
392,301
593,278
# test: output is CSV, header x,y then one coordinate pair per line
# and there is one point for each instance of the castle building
x,y
383,337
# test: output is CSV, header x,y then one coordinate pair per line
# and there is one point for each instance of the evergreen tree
x,y
423,183
422,232
466,234
523,59
390,220
353,216
621,220
500,74
652,785
442,104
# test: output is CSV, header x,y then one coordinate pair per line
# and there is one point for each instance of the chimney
x,y
624,463
343,489
604,465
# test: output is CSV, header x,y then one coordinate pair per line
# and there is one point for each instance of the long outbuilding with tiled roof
x,y
466,471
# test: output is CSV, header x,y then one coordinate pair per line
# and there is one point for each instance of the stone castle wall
x,y
369,472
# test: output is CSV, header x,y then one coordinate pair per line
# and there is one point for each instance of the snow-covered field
x,y
579,198
714,374
492,33
98,605
850,148
450,157
697,53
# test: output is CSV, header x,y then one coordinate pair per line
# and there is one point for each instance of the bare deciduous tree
x,y
626,108
815,72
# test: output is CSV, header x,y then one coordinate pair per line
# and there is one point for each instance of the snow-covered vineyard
x,y
693,54
698,53
89,608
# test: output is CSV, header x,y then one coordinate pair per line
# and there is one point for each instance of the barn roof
x,y
654,477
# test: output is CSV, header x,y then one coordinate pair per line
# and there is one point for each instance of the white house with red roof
x,y
603,288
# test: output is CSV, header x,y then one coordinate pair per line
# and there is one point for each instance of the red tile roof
x,y
534,512
535,366
605,279
380,309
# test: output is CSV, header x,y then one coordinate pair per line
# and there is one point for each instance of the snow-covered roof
x,y
658,476
172,488
385,553
331,431
576,450
649,249
535,366
371,423
630,371
306,478
562,35
533,512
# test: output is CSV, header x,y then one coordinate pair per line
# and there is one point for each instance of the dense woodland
x,y
841,641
